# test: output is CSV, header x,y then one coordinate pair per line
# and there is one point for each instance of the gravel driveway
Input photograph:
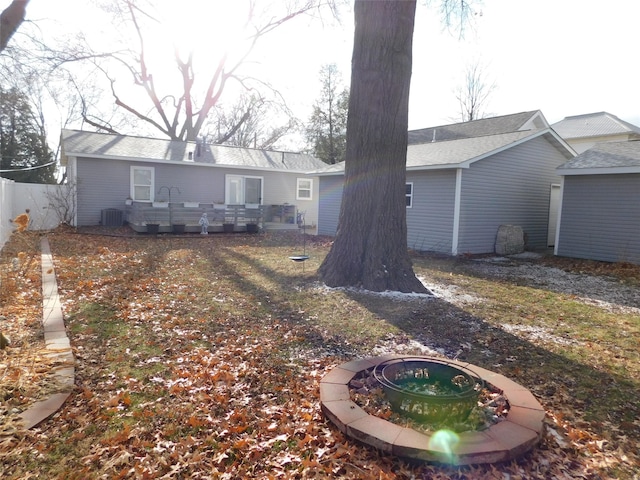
x,y
607,292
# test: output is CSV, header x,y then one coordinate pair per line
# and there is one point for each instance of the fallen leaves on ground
x,y
194,362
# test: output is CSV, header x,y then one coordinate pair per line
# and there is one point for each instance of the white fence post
x,y
6,209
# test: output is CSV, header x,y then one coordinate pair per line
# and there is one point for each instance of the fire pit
x,y
500,442
429,390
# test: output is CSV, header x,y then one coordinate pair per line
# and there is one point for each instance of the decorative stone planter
x,y
252,228
178,227
228,227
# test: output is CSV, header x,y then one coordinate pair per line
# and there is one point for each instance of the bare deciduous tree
x,y
473,95
252,122
179,107
63,202
370,247
457,14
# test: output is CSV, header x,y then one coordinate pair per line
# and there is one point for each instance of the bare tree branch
x,y
144,78
457,14
473,95
190,115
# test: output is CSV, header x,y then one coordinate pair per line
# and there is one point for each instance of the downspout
x,y
456,212
559,219
72,180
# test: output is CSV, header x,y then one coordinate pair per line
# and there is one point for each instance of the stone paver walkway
x,y
56,344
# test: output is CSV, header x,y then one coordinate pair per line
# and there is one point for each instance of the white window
x,y
304,189
240,190
142,179
408,195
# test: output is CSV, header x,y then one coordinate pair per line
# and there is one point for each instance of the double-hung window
x,y
408,195
304,189
142,180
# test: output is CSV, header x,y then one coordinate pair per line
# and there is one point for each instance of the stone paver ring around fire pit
x,y
503,441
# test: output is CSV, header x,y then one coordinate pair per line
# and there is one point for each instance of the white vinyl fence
x,y
40,200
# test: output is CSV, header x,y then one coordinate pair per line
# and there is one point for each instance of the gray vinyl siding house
x,y
433,197
600,209
467,180
102,167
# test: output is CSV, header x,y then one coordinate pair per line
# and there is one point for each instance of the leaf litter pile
x,y
200,358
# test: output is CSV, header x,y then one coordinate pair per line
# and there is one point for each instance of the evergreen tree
x,y
23,143
327,128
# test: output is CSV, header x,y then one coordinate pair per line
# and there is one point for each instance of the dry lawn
x,y
200,358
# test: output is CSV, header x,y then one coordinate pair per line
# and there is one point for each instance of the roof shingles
x,y
474,128
593,125
89,144
607,155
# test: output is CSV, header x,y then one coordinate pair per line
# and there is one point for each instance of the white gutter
x,y
598,171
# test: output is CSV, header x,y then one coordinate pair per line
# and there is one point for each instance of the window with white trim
x,y
142,183
408,195
304,189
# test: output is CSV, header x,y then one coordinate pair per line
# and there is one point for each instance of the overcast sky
x,y
563,57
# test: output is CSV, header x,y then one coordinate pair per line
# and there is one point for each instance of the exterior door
x,y
241,190
253,190
234,194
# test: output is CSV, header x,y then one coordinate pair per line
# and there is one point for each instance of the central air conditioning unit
x,y
112,217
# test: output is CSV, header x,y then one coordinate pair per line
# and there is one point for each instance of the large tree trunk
x,y
10,19
370,248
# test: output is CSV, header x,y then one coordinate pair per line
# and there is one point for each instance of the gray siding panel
x,y
430,219
601,218
509,188
101,184
280,188
330,201
105,184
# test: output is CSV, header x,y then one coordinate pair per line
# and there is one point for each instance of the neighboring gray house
x,y
466,180
111,170
600,207
584,131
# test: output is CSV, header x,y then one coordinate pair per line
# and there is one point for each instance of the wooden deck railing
x,y
139,214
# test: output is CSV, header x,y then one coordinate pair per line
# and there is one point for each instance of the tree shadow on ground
x,y
576,392
557,381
